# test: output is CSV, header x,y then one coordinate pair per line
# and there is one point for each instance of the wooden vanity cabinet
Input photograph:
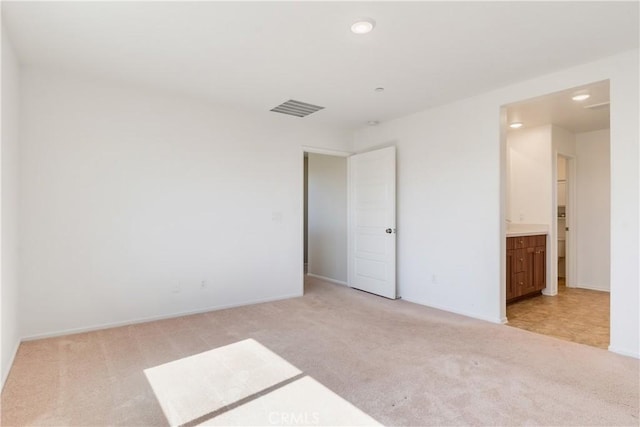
x,y
526,266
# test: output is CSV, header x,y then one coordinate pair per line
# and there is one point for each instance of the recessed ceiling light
x,y
379,89
363,26
581,97
373,122
515,125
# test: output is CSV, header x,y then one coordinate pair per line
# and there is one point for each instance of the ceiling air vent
x,y
296,108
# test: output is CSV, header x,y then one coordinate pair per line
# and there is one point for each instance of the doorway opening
x,y
349,226
557,185
325,216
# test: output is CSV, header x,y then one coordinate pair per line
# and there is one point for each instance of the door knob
x,y
388,230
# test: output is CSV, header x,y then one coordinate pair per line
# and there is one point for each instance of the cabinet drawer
x,y
521,242
518,260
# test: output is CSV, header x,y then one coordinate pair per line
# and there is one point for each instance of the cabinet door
x,y
510,254
539,268
517,284
529,280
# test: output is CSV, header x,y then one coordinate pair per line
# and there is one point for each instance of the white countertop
x,y
514,230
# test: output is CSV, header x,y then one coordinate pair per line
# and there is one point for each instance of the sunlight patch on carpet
x,y
304,402
246,384
194,386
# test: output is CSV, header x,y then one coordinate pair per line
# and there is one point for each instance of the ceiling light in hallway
x,y
363,26
581,97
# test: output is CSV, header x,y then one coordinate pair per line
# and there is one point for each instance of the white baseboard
x,y
152,318
497,320
592,288
5,375
327,279
624,352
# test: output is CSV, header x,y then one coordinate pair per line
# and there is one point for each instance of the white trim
x,y
504,214
327,279
303,210
5,375
551,258
326,152
624,352
498,320
154,318
591,288
571,243
349,225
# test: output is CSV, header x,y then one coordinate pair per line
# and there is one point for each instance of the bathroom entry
x,y
557,182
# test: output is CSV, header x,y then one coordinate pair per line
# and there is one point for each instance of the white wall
x,y
592,213
142,205
328,216
529,166
126,194
564,142
448,216
625,205
451,204
10,338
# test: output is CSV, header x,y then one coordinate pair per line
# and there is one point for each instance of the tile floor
x,y
578,315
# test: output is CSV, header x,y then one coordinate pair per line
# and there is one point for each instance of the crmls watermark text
x,y
294,418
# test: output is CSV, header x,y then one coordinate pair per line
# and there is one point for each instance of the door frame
x,y
313,150
572,260
570,239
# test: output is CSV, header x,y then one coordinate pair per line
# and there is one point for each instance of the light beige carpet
x,y
400,363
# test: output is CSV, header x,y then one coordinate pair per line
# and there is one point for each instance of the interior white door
x,y
372,222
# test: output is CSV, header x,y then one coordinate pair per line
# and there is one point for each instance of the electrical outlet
x,y
203,284
434,279
176,289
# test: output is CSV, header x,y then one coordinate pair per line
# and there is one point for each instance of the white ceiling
x,y
255,55
559,109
